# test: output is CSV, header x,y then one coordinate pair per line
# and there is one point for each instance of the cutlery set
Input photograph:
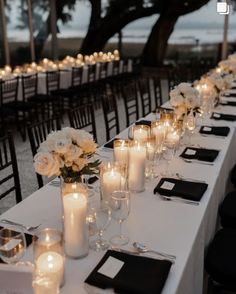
x,y
140,249
27,228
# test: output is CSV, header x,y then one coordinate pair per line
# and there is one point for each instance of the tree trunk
x,y
155,48
41,38
105,28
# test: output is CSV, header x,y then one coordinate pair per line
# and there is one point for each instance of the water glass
x,y
102,216
120,209
12,245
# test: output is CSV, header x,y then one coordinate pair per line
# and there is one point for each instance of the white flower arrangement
x,y
67,153
228,66
184,98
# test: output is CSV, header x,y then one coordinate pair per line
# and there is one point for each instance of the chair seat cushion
x,y
227,211
233,175
221,258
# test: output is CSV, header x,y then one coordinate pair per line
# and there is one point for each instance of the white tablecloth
x,y
176,228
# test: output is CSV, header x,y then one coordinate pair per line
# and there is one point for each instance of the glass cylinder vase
x,y
48,246
136,169
76,231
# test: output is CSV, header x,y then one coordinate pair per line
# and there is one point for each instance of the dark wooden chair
x,y
129,94
83,117
38,133
9,168
92,68
145,95
103,68
110,112
50,103
157,91
22,110
220,262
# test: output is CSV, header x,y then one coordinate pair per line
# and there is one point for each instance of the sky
x,y
206,15
199,22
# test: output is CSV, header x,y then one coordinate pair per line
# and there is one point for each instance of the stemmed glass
x,y
120,208
102,216
151,158
12,244
190,125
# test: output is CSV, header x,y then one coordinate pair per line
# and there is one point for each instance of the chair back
x,y
38,133
92,72
52,81
145,95
82,117
8,90
110,112
29,86
129,94
115,67
103,68
76,77
9,168
157,90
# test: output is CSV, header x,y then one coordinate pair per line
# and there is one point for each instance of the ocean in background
x,y
179,36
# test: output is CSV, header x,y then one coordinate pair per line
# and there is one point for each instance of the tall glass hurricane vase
x,y
75,203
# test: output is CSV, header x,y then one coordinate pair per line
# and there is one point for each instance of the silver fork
x,y
189,179
178,199
27,228
197,162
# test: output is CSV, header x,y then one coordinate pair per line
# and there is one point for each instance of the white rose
x,y
176,100
184,87
46,164
73,153
80,163
62,145
88,146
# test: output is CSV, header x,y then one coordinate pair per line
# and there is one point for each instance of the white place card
x,y
190,152
217,115
15,279
207,129
167,185
111,267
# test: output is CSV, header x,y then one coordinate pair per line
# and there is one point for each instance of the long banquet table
x,y
176,228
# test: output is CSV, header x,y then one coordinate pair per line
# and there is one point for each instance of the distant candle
x,y
141,132
121,151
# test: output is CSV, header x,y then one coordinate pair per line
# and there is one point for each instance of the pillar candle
x,y
121,151
75,227
111,181
136,169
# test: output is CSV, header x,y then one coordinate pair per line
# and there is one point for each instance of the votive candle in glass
x,y
141,132
110,179
121,150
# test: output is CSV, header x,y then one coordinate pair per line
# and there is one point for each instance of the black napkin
x,y
138,275
229,95
109,144
222,116
144,122
218,131
184,189
201,154
233,88
228,103
28,238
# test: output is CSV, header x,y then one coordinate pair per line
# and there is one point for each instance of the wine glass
x,y
120,208
190,125
102,216
12,245
168,155
151,158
